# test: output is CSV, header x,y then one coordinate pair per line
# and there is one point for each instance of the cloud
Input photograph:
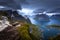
x,y
14,4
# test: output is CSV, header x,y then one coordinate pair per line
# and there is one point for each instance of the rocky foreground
x,y
20,31
9,33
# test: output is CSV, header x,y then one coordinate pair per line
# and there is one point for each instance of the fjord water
x,y
47,32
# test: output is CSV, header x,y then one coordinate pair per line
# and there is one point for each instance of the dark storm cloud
x,y
57,10
15,4
47,5
9,3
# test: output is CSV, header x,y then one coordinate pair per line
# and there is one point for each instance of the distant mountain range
x,y
44,19
41,19
55,19
13,15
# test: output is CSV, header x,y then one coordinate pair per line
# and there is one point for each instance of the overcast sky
x,y
47,5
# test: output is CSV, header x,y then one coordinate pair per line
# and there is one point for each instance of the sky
x,y
48,6
44,4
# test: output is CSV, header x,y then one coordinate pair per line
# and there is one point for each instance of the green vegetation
x,y
26,31
25,34
55,38
54,26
